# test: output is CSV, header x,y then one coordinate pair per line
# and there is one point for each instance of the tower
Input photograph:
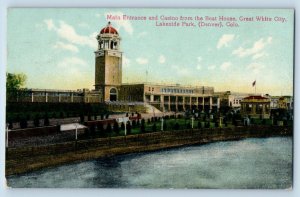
x,y
108,63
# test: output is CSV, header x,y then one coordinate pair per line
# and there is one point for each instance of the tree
x,y
14,83
143,127
116,128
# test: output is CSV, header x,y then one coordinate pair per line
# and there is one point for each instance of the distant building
x,y
230,99
285,102
256,107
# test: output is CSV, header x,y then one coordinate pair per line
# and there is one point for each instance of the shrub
x,y
143,128
188,125
108,128
122,126
23,122
154,127
61,114
165,125
207,124
93,130
10,125
100,129
36,120
176,126
199,125
128,128
133,123
81,118
216,124
46,120
116,128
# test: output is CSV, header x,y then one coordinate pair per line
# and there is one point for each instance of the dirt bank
x,y
20,160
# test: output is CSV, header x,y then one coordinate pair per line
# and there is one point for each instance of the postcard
x,y
149,98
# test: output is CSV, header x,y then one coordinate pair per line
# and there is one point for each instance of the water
x,y
249,163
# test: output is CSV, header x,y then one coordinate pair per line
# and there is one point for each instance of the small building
x,y
256,107
230,99
285,102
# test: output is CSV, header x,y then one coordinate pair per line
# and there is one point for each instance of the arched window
x,y
113,94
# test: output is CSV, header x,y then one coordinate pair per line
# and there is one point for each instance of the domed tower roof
x,y
109,30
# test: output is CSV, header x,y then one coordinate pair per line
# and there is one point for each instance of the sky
x,y
55,49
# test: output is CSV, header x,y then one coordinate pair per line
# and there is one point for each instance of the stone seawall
x,y
19,160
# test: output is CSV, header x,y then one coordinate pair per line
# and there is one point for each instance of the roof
x,y
109,30
256,97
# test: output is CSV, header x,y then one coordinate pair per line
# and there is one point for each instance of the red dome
x,y
108,30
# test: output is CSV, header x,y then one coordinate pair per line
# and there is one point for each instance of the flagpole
x,y
255,86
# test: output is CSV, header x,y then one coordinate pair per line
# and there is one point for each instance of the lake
x,y
249,163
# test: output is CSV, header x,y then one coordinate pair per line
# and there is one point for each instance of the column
x,y
72,99
151,98
32,97
210,102
190,102
263,110
253,108
183,103
176,103
203,103
169,105
162,102
46,97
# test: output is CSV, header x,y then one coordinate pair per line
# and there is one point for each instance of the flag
x,y
253,84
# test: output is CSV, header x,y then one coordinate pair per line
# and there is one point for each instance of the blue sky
x,y
55,49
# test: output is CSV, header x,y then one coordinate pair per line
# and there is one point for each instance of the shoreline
x,y
27,159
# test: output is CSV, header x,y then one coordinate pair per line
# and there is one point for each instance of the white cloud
x,y
125,62
199,67
142,34
68,33
49,23
68,47
83,25
255,67
259,55
181,70
224,40
257,47
141,60
125,24
162,59
211,67
71,62
225,65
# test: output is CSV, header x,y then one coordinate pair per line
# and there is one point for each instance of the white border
x,y
144,3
